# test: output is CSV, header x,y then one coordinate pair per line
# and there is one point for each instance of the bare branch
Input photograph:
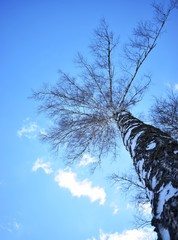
x,y
164,113
130,185
82,108
144,41
103,47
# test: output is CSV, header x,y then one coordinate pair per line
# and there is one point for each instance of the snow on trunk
x,y
155,158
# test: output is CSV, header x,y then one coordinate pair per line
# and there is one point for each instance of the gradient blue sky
x,y
39,197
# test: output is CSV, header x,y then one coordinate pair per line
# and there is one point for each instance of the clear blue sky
x,y
39,197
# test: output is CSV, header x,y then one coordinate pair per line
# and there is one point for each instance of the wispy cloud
x,y
46,166
30,130
11,226
172,86
176,86
115,208
145,208
86,160
134,234
17,226
130,206
68,179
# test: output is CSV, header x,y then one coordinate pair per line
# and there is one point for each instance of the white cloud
x,y
17,226
11,226
134,234
145,208
130,206
30,130
5,228
46,166
68,179
176,86
86,160
115,208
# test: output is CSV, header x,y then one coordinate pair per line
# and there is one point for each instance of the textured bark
x,y
155,158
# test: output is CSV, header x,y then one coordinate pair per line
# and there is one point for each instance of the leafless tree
x,y
82,108
91,110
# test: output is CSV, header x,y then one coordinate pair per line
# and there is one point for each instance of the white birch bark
x,y
155,158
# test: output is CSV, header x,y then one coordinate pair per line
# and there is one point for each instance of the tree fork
x,y
155,158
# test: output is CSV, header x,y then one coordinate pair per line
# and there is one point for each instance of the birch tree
x,y
164,114
90,112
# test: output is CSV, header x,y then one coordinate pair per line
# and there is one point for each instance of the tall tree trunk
x,y
155,158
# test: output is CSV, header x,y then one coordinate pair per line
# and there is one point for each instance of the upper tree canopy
x,y
83,108
164,113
